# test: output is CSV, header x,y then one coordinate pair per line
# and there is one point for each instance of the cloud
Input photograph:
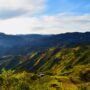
x,y
23,6
11,14
46,24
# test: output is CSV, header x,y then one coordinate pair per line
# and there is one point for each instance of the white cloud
x,y
46,24
30,6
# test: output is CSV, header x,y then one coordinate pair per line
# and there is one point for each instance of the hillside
x,y
50,59
66,65
61,62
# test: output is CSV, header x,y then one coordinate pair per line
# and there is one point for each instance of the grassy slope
x,y
58,61
63,68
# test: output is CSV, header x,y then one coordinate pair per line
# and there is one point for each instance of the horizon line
x,y
3,33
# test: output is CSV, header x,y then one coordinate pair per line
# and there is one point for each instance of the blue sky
x,y
44,16
71,6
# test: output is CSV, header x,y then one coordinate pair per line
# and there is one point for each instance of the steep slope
x,y
55,61
57,68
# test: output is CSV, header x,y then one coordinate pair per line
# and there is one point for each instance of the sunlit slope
x,y
57,61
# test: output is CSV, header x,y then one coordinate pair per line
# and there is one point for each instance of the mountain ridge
x,y
11,44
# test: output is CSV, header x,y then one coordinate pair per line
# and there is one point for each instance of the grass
x,y
9,80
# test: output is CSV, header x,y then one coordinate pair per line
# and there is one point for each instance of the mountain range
x,y
45,62
23,44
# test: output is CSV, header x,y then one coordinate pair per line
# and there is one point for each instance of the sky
x,y
44,16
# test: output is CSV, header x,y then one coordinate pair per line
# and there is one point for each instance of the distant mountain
x,y
22,44
18,44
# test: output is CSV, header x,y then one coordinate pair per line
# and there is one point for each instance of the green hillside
x,y
56,60
53,69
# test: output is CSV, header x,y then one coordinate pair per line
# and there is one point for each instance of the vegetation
x,y
54,69
9,80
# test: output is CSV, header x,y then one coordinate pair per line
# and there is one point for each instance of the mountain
x,y
65,68
18,44
23,44
45,62
52,59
